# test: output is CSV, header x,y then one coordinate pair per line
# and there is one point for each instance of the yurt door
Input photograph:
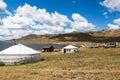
x,y
64,50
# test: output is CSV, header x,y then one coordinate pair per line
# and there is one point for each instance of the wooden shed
x,y
48,49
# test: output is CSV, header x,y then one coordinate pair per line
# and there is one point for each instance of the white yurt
x,y
69,49
18,54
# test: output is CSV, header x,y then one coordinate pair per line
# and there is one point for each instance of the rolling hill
x,y
98,36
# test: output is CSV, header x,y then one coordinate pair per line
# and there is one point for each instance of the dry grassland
x,y
87,64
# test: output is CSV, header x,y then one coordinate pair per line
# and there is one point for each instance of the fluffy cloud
x,y
113,26
3,7
31,20
116,24
112,5
80,23
6,34
117,21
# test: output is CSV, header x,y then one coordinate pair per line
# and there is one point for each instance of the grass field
x,y
87,64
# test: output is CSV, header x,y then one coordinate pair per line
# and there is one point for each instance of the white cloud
x,y
40,15
116,24
81,23
78,18
7,34
3,7
113,26
117,21
105,14
31,20
112,5
17,22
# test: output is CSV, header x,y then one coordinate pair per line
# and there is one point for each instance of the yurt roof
x,y
19,49
70,46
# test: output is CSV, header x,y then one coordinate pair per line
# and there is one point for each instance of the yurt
x,y
69,49
18,54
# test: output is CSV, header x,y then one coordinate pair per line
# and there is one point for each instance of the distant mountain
x,y
106,33
31,36
34,36
98,36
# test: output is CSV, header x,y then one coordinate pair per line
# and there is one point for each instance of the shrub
x,y
2,64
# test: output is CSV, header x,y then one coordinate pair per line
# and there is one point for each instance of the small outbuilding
x,y
48,49
70,49
18,54
94,45
110,45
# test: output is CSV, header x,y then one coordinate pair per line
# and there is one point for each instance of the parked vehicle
x,y
110,45
94,46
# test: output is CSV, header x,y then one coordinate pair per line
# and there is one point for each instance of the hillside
x,y
33,36
98,36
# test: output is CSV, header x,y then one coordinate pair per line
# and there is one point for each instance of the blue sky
x,y
57,16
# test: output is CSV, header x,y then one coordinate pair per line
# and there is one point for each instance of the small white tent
x,y
69,49
18,54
